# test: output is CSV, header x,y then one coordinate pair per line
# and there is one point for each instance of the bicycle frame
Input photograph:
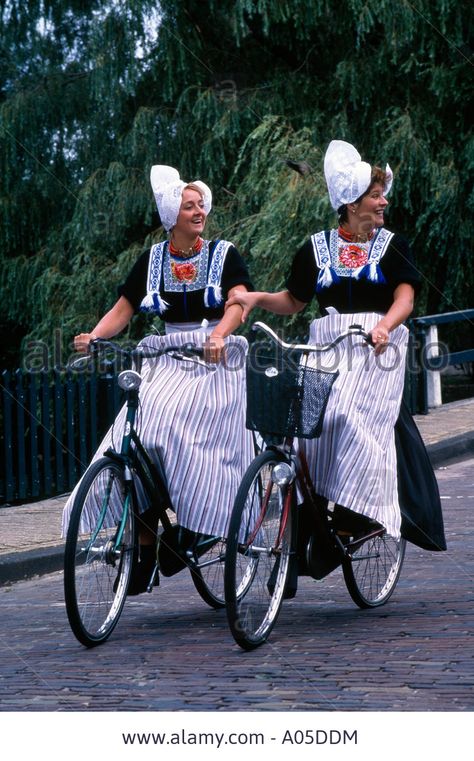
x,y
132,455
298,462
261,518
258,578
102,548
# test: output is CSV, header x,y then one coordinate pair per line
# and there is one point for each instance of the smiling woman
x,y
361,273
185,280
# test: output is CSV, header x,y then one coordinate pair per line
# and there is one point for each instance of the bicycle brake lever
x,y
79,362
193,350
191,358
366,336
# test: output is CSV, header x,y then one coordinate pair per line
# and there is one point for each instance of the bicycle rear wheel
x,y
258,552
371,572
100,548
208,574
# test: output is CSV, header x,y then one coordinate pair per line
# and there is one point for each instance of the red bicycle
x,y
271,539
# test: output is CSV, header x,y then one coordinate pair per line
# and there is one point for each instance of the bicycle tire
x,y
100,549
372,570
259,546
208,575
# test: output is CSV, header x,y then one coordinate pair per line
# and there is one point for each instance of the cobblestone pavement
x,y
172,653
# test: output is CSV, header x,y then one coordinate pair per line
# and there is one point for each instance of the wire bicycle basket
x,y
285,396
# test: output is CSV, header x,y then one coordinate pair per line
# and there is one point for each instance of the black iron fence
x,y
51,424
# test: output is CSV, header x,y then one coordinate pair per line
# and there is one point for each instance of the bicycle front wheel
x,y
258,551
372,570
100,547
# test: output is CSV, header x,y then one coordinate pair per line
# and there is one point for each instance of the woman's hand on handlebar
x,y
82,341
380,338
214,349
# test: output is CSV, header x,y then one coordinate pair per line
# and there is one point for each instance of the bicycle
x,y
271,540
101,542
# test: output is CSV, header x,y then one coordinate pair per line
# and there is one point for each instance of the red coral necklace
x,y
186,253
354,237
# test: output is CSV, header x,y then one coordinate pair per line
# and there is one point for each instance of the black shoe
x,y
322,556
348,523
179,546
142,573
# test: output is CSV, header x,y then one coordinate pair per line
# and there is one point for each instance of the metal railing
x,y
427,357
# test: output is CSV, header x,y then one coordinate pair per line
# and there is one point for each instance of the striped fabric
x,y
194,416
354,460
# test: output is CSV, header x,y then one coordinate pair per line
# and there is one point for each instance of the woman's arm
x,y
402,307
230,321
280,303
113,322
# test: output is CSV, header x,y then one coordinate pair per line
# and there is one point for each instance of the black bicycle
x,y
271,540
102,537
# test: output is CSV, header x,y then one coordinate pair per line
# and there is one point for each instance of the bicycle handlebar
x,y
353,330
183,352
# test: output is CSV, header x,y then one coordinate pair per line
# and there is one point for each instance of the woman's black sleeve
x,y
134,287
398,264
301,282
235,272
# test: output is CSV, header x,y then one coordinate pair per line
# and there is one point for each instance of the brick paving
x,y
170,652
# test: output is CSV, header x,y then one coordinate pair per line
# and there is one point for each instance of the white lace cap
x,y
167,188
347,176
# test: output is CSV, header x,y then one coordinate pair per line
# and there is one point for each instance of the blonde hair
x,y
192,186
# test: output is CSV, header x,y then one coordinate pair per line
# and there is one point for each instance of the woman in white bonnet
x,y
193,420
181,280
362,273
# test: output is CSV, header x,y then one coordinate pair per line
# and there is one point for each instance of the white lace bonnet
x,y
168,189
347,176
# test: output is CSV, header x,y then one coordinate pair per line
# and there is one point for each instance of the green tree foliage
x,y
93,93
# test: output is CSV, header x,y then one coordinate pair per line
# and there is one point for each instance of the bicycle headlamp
x,y
129,380
282,474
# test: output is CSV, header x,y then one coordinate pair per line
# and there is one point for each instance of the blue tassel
x,y
327,276
158,303
153,303
380,276
362,272
371,272
213,296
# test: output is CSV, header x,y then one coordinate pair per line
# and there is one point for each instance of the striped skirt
x,y
353,463
193,418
